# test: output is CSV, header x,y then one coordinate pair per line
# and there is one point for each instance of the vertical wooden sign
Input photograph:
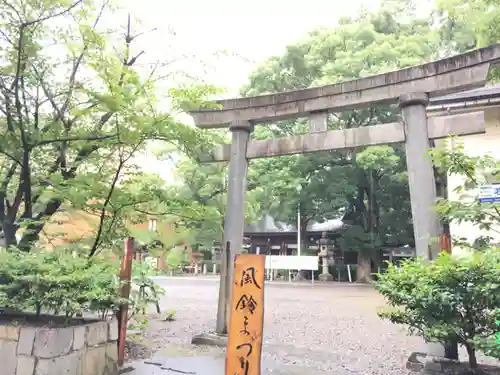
x,y
244,345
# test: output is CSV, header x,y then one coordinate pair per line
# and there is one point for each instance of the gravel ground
x,y
330,328
134,350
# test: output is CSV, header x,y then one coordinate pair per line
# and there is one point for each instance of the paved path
x,y
325,328
203,365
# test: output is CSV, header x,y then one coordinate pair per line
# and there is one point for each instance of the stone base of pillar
x,y
426,363
325,277
210,339
451,350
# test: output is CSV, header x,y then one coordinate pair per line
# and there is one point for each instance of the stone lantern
x,y
324,253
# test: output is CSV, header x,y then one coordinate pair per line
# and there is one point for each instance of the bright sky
x,y
222,40
249,30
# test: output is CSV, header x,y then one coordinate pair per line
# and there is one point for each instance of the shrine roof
x,y
487,92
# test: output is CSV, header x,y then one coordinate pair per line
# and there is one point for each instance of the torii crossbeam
x,y
410,88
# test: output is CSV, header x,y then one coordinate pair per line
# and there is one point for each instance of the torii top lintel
x,y
446,76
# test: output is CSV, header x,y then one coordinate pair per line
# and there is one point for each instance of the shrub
x,y
63,282
176,258
491,344
474,171
57,282
451,299
145,291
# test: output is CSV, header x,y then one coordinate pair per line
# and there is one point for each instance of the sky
x,y
221,41
248,31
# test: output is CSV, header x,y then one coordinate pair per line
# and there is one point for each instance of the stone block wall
x,y
88,349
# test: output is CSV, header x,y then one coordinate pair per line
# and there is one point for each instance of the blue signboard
x,y
489,193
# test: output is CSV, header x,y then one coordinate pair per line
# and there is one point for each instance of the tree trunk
x,y
9,231
451,350
472,356
304,243
301,275
364,267
32,232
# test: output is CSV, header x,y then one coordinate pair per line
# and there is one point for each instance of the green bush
x,y
491,344
145,291
61,282
452,299
176,258
57,282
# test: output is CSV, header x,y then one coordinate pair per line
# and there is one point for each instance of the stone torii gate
x,y
410,88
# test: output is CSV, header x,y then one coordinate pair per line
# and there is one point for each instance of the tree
x,y
451,299
74,114
465,318
474,22
466,25
466,207
203,189
380,211
290,184
358,185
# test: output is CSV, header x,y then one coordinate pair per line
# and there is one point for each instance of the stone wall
x,y
89,349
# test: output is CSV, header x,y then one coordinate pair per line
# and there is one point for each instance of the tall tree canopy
x,y
203,188
368,187
74,114
468,24
473,23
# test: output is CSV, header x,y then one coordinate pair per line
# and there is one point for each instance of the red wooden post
x,y
445,243
125,277
138,257
161,262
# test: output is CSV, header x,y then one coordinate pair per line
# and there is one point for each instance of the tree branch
x,y
78,61
10,156
8,176
34,227
103,209
8,108
72,139
102,215
168,213
46,18
85,152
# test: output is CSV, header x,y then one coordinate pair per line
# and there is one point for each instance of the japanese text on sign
x,y
489,193
247,316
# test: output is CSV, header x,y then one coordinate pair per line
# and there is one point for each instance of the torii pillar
x,y
423,197
234,221
446,76
234,218
421,180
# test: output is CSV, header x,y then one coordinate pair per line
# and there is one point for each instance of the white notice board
x,y
292,262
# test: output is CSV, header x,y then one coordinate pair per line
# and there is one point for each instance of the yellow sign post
x,y
244,345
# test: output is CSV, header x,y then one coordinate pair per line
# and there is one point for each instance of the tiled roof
x,y
487,92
